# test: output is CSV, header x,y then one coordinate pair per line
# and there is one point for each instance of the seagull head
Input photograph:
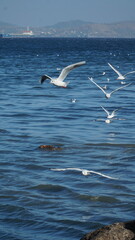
x,y
107,95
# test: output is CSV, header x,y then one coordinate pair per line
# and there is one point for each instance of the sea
x,y
44,194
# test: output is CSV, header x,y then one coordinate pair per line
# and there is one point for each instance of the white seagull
x,y
120,76
110,115
65,71
84,172
108,95
108,120
73,100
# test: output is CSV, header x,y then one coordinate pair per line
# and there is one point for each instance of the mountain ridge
x,y
77,28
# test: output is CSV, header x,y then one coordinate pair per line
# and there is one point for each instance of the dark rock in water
x,y
116,231
49,147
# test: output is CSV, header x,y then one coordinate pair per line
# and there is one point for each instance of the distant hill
x,y
70,24
9,28
88,29
77,28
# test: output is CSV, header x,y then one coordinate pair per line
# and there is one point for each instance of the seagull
x,y
73,100
65,71
110,115
108,95
120,76
108,120
105,87
84,172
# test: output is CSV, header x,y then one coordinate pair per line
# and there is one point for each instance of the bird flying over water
x,y
108,95
120,76
84,172
110,115
65,71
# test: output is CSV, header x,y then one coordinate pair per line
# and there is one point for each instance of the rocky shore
x,y
116,231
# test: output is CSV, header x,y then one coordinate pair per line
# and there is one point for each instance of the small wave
x,y
3,131
104,199
48,188
125,145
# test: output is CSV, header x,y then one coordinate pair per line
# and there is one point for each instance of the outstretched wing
x,y
58,169
91,79
107,112
115,110
66,169
44,77
115,70
120,88
129,73
101,174
67,69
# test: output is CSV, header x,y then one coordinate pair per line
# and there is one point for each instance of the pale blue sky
x,y
49,12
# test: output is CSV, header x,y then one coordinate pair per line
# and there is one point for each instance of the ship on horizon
x,y
24,34
28,32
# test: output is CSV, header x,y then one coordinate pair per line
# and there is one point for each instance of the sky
x,y
36,13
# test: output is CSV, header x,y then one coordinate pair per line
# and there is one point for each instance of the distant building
x,y
28,32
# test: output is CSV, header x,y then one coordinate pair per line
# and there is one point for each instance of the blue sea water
x,y
36,202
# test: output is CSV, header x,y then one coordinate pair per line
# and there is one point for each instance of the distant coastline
x,y
80,29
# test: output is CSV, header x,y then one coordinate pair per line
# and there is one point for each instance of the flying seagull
x,y
65,71
84,172
108,95
110,115
120,76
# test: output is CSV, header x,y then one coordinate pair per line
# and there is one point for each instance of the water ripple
x,y
36,202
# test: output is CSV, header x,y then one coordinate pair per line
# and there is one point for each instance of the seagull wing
x,y
97,85
115,70
67,69
107,112
129,73
58,169
101,174
120,88
66,169
115,110
44,77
